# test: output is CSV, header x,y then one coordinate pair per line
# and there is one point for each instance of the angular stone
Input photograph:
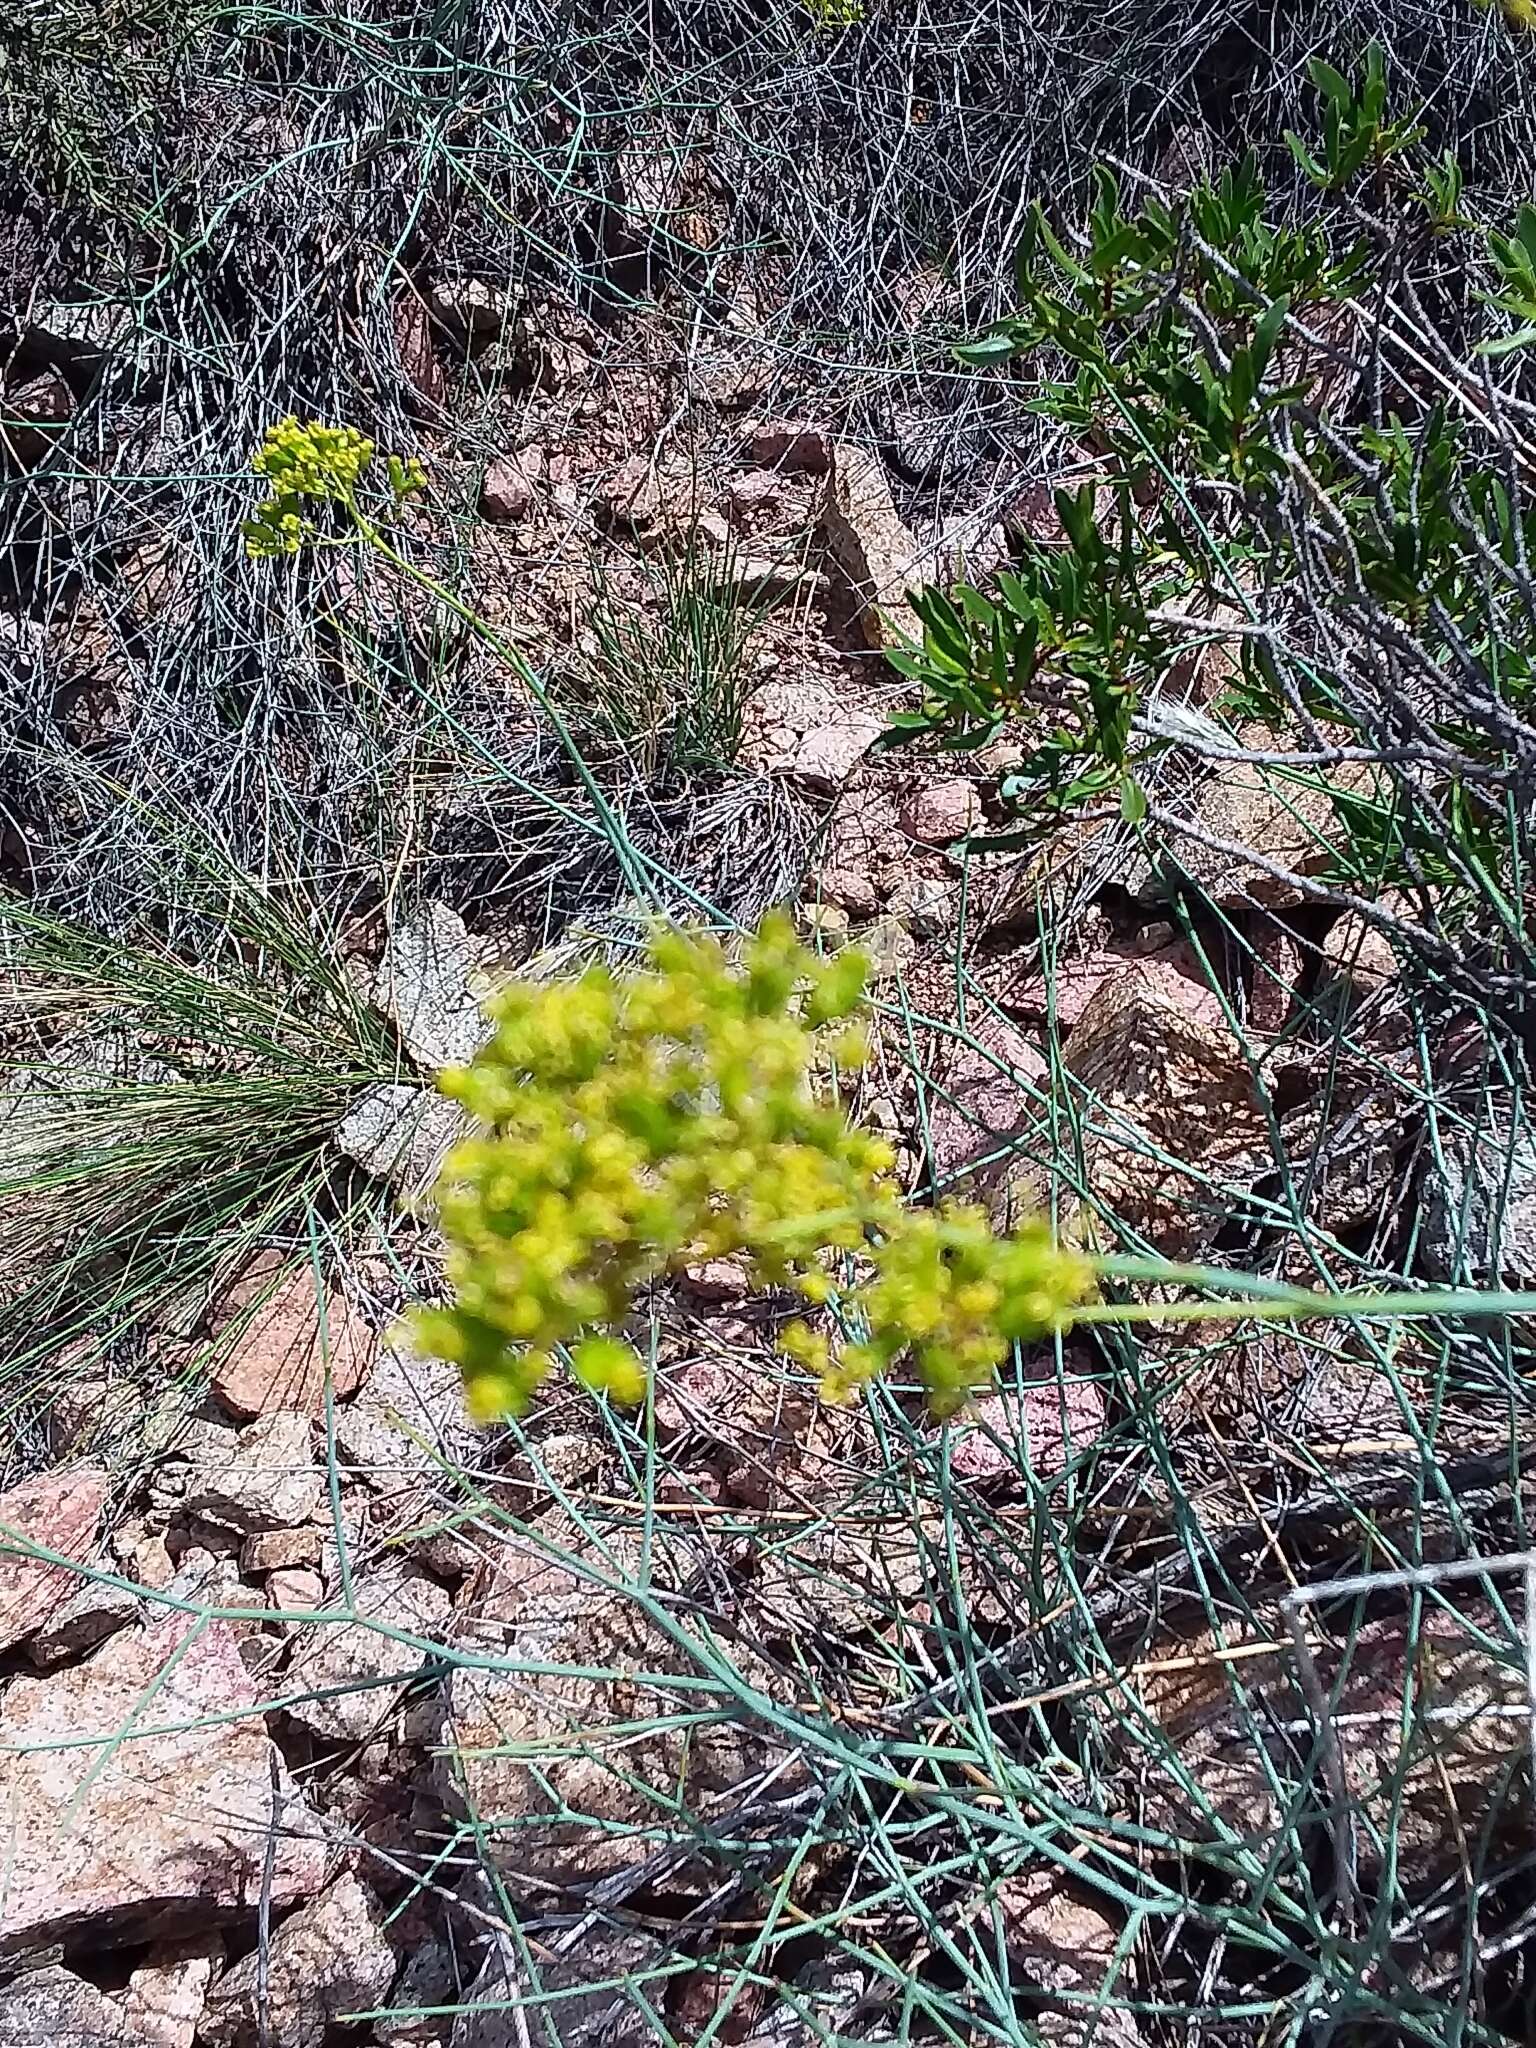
x,y
165,1831
357,1672
942,812
788,445
296,1591
1059,998
56,1511
284,1347
281,1550
828,754
328,1959
401,1134
1166,1101
407,1421
260,1477
53,2008
165,1995
424,984
92,1612
1061,1941
1042,1427
872,545
505,493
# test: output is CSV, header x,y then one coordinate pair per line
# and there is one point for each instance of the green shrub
x,y
1382,533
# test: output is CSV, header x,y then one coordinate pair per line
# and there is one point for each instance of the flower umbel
x,y
315,464
631,1127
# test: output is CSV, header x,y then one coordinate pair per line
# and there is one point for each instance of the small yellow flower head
x,y
632,1127
309,464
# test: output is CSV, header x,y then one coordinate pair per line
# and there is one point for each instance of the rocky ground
x,y
326,1718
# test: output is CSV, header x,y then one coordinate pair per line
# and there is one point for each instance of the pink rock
x,y
850,890
789,445
986,1094
413,343
720,1281
331,1958
1057,1419
279,1359
296,1591
760,490
806,729
57,1511
1278,968
506,493
828,754
1064,1942
943,812
161,1819
1073,984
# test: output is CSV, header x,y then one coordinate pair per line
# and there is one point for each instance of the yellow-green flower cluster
x,y
633,1126
955,1297
309,464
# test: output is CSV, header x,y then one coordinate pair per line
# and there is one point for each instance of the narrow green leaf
x,y
1506,344
1333,85
1001,346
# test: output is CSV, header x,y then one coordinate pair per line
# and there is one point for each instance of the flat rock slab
x,y
285,1338
424,985
872,545
401,1134
57,1511
353,1672
163,1832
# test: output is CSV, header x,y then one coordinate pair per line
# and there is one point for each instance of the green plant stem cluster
x,y
635,1126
